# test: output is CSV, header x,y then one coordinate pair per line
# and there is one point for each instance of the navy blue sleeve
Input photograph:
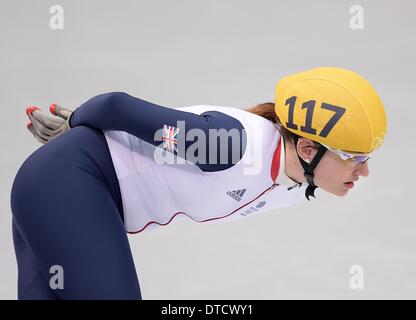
x,y
123,112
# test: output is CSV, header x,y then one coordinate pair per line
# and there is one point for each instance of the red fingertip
x,y
30,109
27,110
52,108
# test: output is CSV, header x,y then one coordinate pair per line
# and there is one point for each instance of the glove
x,y
45,127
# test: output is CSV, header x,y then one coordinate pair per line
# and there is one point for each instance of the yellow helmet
x,y
332,106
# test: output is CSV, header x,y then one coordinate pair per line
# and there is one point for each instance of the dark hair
x,y
267,110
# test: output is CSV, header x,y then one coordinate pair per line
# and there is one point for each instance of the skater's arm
x,y
123,112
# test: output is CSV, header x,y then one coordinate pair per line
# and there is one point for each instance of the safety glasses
x,y
357,158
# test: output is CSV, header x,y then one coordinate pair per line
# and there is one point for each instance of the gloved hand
x,y
45,127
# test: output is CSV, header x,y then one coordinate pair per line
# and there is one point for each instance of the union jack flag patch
x,y
169,137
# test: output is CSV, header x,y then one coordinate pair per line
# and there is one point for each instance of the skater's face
x,y
332,174
337,176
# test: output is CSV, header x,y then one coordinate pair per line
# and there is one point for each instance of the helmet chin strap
x,y
309,168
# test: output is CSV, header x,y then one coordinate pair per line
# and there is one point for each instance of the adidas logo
x,y
236,194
